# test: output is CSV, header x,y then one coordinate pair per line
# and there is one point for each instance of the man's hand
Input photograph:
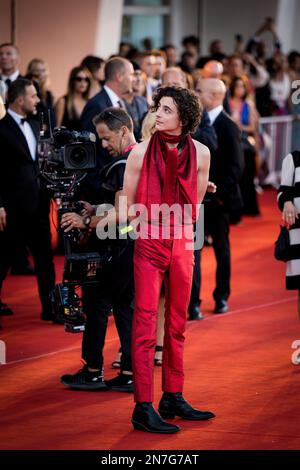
x,y
88,209
2,219
211,187
71,220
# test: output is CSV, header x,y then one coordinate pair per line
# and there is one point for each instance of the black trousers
x,y
20,259
115,290
247,184
216,222
33,232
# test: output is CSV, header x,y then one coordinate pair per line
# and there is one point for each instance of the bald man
x,y
227,165
212,69
215,69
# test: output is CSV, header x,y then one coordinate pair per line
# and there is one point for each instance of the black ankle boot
x,y
173,404
145,418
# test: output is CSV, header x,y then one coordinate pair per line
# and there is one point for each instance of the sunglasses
x,y
81,79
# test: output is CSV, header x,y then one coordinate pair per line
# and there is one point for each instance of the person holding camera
x,y
114,289
24,203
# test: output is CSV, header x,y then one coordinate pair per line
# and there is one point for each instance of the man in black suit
x,y
118,73
118,76
9,66
24,204
226,169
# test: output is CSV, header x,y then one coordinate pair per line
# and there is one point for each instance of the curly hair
x,y
188,106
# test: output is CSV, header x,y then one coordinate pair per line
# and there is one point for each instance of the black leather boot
x,y
173,404
145,418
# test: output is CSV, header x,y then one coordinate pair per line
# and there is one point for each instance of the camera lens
x,y
78,157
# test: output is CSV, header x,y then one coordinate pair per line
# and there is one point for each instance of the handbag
x,y
282,250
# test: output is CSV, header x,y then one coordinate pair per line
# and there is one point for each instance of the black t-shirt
x,y
112,177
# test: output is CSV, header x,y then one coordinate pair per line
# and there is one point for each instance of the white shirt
x,y
214,113
114,98
12,77
280,90
27,131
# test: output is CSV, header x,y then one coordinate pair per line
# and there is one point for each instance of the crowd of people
x,y
148,110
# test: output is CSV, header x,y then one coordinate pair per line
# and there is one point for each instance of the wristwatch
x,y
87,220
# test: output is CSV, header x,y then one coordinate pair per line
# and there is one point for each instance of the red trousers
x,y
155,261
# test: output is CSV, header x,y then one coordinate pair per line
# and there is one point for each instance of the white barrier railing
x,y
276,134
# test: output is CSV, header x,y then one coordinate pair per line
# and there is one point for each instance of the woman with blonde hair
x,y
38,71
148,126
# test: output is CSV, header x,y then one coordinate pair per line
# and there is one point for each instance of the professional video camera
x,y
73,150
65,158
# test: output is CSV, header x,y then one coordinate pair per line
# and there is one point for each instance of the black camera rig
x,y
64,159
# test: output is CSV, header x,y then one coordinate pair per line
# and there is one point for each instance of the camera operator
x,y
114,289
24,205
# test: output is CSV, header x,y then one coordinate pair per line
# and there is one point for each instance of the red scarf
x,y
168,176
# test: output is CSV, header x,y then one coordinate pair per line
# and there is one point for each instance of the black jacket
x,y
20,192
95,106
227,163
206,134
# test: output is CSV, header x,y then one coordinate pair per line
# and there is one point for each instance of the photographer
x,y
115,287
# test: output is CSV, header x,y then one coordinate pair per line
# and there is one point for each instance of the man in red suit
x,y
169,169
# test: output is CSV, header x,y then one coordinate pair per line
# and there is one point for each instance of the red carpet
x,y
237,365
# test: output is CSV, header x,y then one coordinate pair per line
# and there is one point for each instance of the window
x,y
145,19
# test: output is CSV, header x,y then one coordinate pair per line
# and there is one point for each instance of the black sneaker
x,y
121,383
85,380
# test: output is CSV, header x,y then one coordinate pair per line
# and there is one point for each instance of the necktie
x,y
121,104
24,120
8,82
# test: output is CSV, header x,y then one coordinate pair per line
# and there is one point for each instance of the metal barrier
x,y
278,137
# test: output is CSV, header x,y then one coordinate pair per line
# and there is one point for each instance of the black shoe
x,y
47,316
23,271
195,312
173,404
221,306
145,418
5,311
121,383
85,380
